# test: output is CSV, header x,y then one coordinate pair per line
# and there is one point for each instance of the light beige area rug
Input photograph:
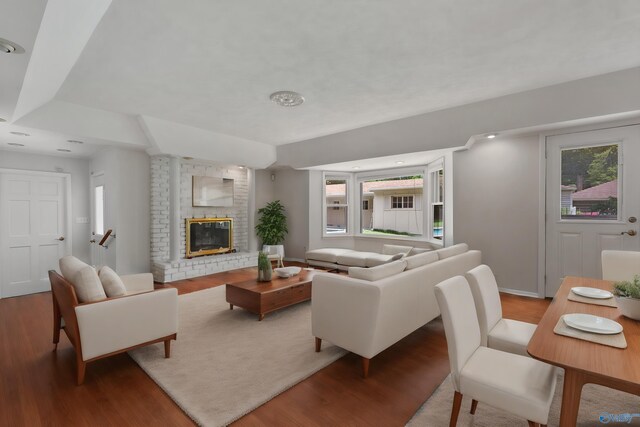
x,y
596,401
225,363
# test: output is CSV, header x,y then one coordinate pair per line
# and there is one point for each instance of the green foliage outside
x,y
627,289
272,224
588,167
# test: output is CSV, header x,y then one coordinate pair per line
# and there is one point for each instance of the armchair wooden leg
x,y
318,344
532,424
81,367
474,405
57,323
455,410
365,367
167,348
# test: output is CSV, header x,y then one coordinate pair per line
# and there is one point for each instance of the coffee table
x,y
265,297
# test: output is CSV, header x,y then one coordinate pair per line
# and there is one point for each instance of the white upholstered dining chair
x,y
516,384
501,334
620,265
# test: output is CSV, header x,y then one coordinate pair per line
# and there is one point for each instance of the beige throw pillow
x,y
458,249
419,260
88,286
111,282
395,249
377,273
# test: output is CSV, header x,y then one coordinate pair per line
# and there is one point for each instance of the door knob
x,y
630,232
61,238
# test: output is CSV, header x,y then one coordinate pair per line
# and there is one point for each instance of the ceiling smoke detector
x,y
287,98
7,46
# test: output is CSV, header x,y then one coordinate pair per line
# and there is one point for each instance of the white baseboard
x,y
520,293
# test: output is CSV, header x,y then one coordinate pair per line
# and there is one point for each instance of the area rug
x,y
225,363
596,401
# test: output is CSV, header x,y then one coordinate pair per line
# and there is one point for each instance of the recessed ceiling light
x,y
399,162
287,98
491,135
188,158
7,46
19,133
15,144
240,167
75,141
63,150
356,167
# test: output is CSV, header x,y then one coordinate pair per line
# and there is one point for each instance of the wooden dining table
x,y
586,362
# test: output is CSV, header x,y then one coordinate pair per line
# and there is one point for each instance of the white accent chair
x,y
274,253
516,384
102,328
508,335
620,265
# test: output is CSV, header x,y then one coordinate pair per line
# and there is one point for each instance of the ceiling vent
x,y
287,98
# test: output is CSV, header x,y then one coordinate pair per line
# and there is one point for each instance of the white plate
x,y
591,323
592,293
287,271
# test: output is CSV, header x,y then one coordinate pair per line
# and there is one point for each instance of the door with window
x,y
592,200
33,230
97,219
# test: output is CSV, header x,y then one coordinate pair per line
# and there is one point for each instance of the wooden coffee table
x,y
264,297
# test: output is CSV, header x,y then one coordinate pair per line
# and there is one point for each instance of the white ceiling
x,y
211,65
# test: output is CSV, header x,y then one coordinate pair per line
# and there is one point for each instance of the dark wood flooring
x,y
37,385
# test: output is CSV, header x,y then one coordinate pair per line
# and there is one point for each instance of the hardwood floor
x,y
37,385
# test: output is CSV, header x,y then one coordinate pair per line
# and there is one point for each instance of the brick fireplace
x,y
171,206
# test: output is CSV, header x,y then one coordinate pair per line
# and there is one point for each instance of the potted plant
x,y
264,267
272,228
628,297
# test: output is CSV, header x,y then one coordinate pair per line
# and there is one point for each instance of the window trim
x,y
433,167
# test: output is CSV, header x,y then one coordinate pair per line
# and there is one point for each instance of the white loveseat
x,y
368,316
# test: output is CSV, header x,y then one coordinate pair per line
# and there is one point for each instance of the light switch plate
x,y
82,220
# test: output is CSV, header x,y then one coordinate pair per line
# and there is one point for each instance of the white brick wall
x,y
163,269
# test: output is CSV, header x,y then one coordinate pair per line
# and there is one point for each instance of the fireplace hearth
x,y
209,236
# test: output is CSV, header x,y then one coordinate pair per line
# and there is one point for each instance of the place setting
x,y
588,327
594,296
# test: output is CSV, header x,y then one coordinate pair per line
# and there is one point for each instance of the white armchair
x,y
115,325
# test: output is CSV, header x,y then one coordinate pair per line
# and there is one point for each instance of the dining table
x,y
586,362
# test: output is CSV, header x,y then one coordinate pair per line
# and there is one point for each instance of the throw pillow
x,y
416,251
70,265
88,286
377,273
395,249
419,260
111,282
452,250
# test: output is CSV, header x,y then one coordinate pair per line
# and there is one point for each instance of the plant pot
x,y
264,274
629,307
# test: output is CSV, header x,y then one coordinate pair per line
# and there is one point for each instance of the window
x,y
99,209
401,202
392,205
336,201
589,187
437,204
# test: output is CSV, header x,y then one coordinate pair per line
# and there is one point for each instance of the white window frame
x,y
348,178
433,167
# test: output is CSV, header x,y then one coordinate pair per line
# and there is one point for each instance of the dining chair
x,y
620,265
501,334
516,384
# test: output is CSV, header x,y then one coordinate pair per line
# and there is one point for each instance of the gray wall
x,y
496,192
291,189
80,207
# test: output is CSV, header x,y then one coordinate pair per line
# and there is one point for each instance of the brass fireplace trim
x,y
189,221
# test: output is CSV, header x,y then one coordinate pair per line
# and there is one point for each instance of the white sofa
x,y
368,316
342,259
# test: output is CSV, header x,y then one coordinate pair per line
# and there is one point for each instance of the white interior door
x,y
97,219
33,225
593,200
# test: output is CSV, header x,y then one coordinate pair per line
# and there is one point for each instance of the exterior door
x,y
33,223
593,200
97,220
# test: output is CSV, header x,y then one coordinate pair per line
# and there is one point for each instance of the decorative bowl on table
x,y
287,271
629,307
